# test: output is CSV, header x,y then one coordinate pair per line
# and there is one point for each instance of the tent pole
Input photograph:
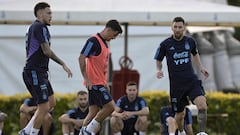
x,y
125,39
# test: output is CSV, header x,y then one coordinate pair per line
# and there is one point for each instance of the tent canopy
x,y
133,12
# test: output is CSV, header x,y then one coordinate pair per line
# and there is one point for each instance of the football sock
x,y
93,126
34,131
29,125
202,118
118,133
141,133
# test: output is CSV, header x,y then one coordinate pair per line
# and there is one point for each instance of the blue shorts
x,y
38,85
99,96
179,95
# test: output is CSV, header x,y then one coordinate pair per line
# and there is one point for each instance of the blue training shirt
x,y
124,104
37,34
76,113
178,57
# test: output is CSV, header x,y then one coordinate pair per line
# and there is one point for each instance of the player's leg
x,y
178,106
171,122
116,125
87,125
47,124
199,99
30,79
100,97
65,128
179,116
24,119
2,118
51,100
141,124
200,102
1,127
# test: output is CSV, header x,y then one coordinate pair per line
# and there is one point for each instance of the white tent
x,y
68,39
134,12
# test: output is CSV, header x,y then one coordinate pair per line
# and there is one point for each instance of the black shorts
x,y
99,96
129,127
180,95
38,85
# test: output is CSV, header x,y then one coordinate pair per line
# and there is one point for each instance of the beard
x,y
178,36
83,105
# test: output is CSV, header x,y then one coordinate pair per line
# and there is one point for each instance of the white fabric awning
x,y
134,12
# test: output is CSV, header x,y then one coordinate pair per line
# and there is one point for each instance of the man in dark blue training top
x,y
35,73
180,50
130,115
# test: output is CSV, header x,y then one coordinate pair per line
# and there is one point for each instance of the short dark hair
x,y
178,19
114,25
81,92
39,6
131,83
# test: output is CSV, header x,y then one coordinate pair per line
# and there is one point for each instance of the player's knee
x,y
171,121
180,115
116,124
141,124
48,118
201,102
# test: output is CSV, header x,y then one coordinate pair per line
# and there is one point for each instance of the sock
x,y
93,126
0,132
34,131
29,125
171,133
71,133
65,133
202,118
141,133
118,133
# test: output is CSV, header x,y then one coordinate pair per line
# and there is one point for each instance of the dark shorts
x,y
99,96
129,127
180,95
38,85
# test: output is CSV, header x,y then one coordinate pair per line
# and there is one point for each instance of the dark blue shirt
x,y
37,34
166,112
178,57
138,104
77,114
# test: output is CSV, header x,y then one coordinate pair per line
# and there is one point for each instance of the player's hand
x,y
159,74
88,84
126,114
69,72
205,72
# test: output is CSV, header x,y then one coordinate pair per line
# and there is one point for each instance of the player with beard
x,y
72,121
131,112
35,72
180,51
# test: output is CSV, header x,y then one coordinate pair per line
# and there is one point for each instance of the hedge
x,y
218,103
